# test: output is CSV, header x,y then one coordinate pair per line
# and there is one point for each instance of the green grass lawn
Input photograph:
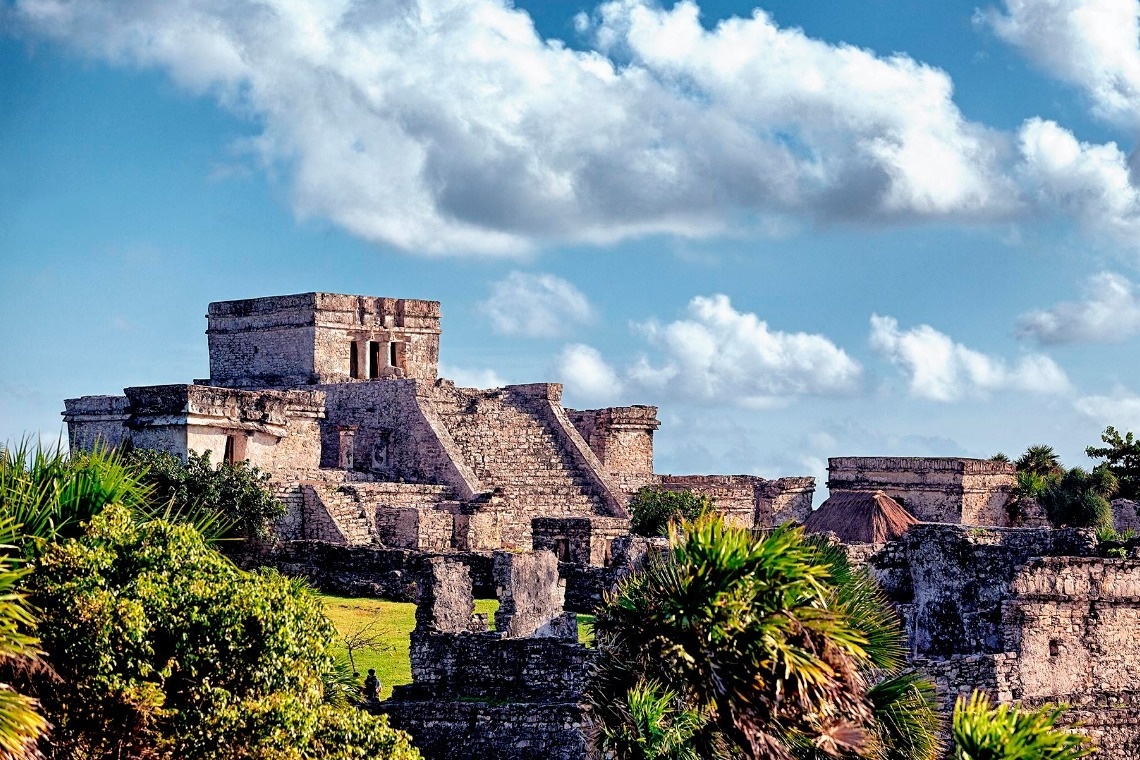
x,y
390,624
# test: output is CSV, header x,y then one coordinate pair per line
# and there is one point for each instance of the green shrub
x,y
984,732
165,649
653,508
238,493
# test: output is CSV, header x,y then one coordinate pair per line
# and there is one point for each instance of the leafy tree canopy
x,y
1122,457
165,649
237,495
653,508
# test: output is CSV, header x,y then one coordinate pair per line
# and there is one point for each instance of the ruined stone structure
x,y
512,692
933,489
337,398
1028,615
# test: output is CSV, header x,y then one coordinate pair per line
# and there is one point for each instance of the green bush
x,y
653,508
734,644
238,494
984,732
165,649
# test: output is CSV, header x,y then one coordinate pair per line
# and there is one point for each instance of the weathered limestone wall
x,y
578,540
374,572
933,489
748,500
95,420
490,731
397,435
956,579
306,339
1074,622
1125,515
492,694
274,430
622,439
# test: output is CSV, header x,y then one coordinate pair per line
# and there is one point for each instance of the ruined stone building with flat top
x,y
338,398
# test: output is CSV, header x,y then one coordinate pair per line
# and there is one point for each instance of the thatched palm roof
x,y
860,517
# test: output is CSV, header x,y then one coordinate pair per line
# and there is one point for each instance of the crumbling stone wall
x,y
955,580
96,420
307,339
578,540
622,439
494,694
748,500
933,489
274,430
1029,615
373,571
1125,515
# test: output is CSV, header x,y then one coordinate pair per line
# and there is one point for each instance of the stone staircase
x,y
508,446
348,514
354,508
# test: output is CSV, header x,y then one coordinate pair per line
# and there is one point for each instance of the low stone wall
x,y
488,731
747,500
372,572
490,667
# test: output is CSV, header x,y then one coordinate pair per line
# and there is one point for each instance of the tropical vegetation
x,y
653,509
149,643
765,646
1076,497
982,731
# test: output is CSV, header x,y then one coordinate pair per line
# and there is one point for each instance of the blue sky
x,y
801,229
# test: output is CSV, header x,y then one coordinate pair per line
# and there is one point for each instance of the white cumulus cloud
x,y
469,377
536,305
718,355
586,375
1108,312
939,369
1121,408
1088,182
1092,44
453,126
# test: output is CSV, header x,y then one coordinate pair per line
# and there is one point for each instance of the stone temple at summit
x,y
338,398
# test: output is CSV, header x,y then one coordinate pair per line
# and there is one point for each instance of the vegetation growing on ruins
x,y
1121,455
1076,497
984,732
237,493
154,645
653,509
755,646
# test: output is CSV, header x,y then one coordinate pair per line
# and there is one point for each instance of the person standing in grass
x,y
371,687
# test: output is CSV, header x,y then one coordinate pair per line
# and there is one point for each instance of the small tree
x,y
759,646
167,650
1080,498
237,494
1122,457
984,732
653,509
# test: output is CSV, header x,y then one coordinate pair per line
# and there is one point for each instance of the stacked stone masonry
x,y
1028,615
506,693
933,489
337,398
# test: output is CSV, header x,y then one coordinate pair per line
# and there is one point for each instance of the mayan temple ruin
x,y
400,484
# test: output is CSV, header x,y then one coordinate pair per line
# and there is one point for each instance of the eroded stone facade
x,y
337,398
933,489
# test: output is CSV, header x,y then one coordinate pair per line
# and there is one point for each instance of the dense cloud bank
x,y
452,126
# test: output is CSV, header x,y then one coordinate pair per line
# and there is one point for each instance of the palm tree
x,y
756,640
1042,460
21,723
984,732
